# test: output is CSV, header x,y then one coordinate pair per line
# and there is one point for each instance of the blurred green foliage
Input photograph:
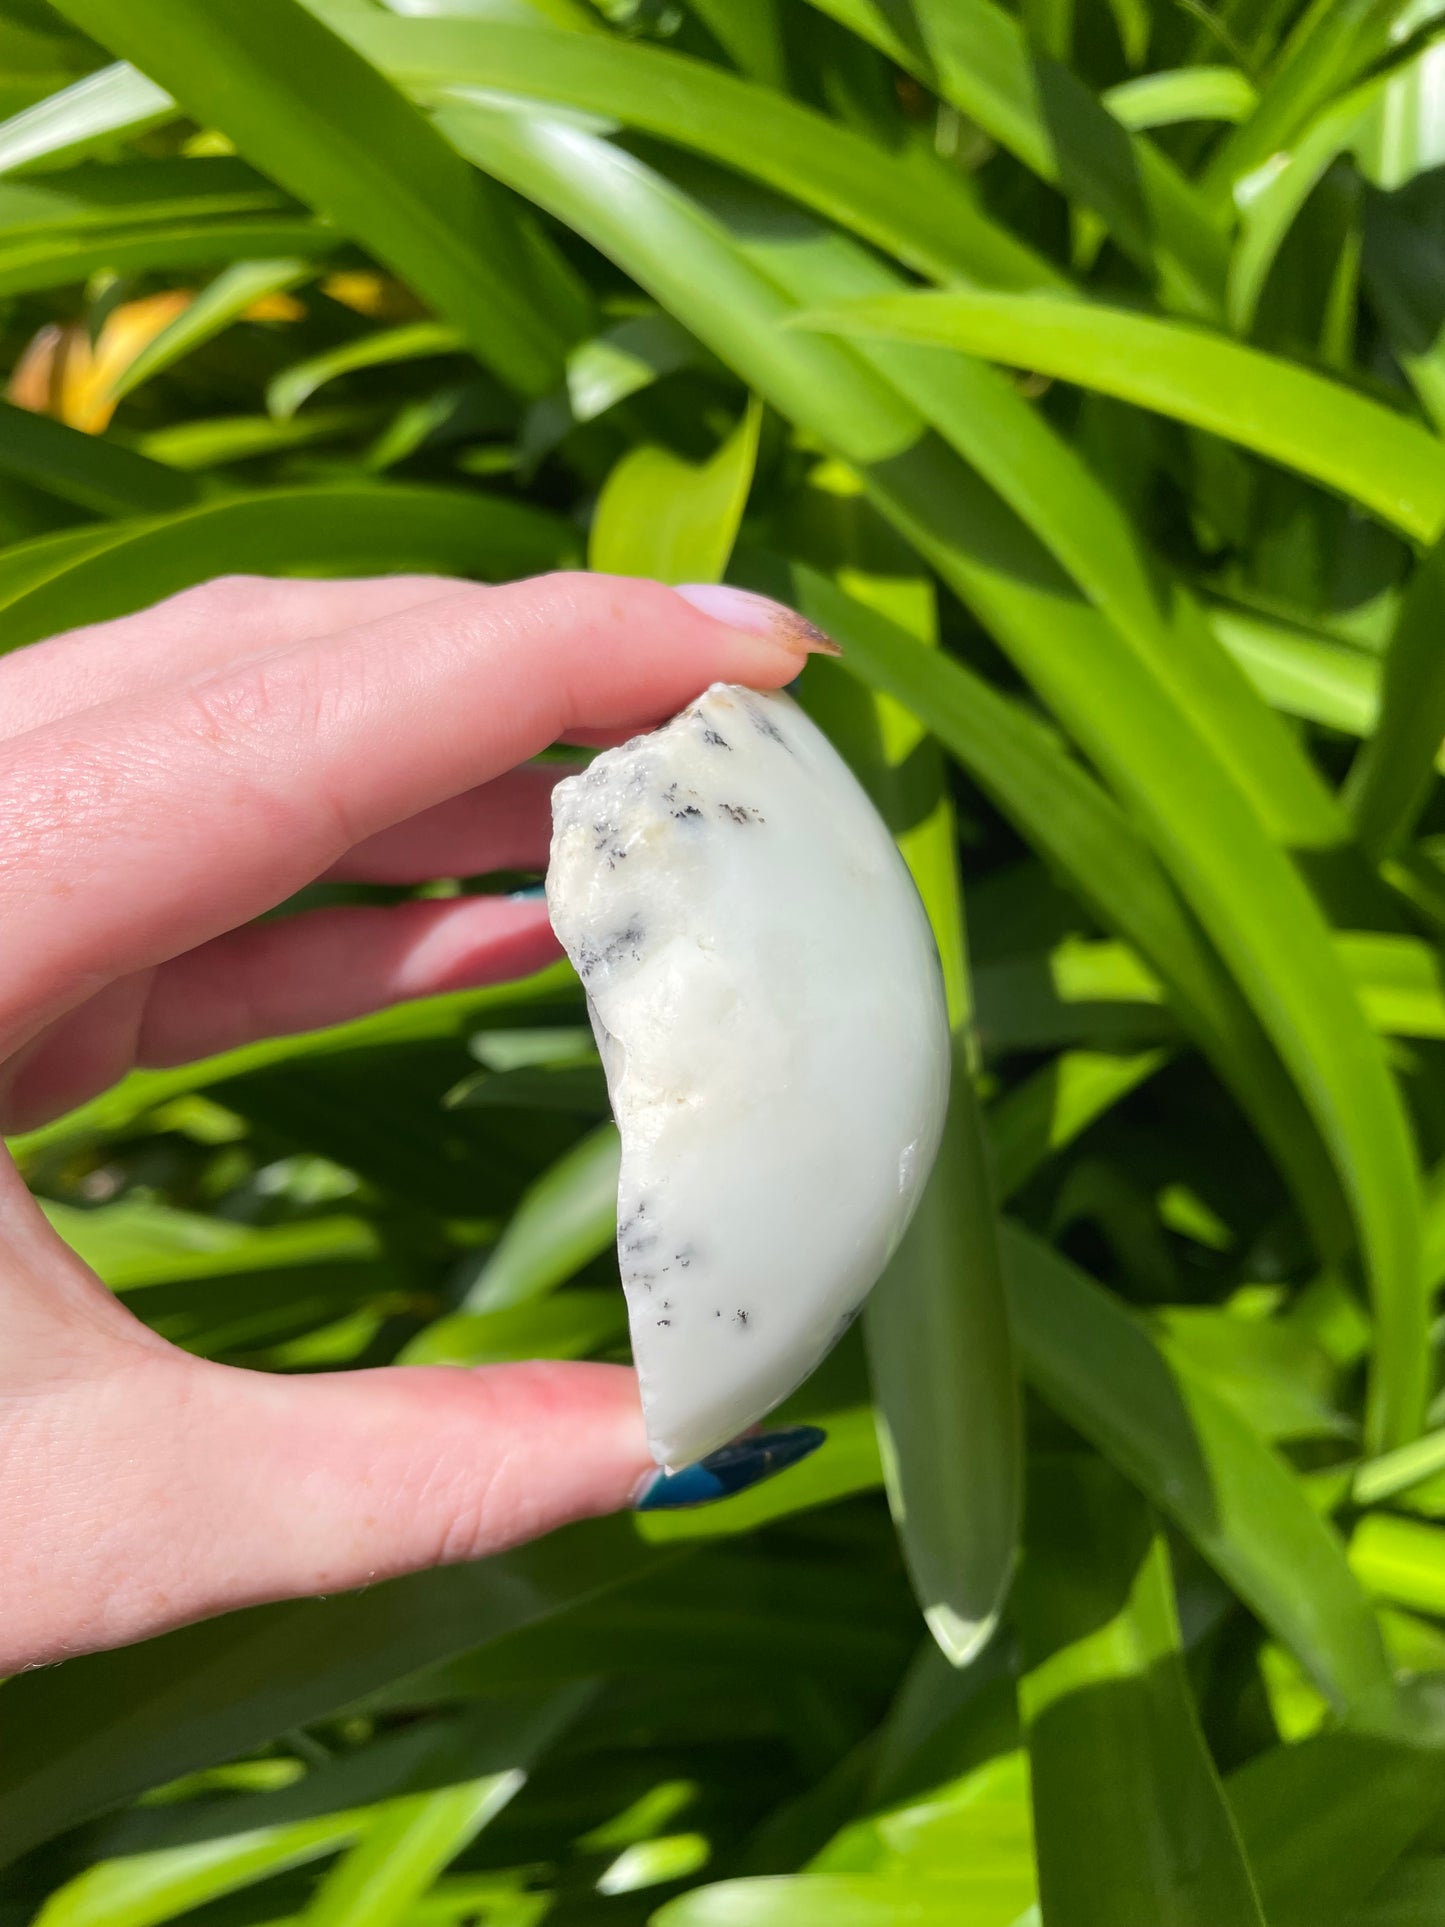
x,y
1078,364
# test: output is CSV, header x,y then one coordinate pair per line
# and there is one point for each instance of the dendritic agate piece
x,y
769,1008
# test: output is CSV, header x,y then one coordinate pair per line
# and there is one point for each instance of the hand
x,y
164,780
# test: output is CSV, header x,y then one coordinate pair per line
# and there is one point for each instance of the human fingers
x,y
152,1488
271,980
504,825
216,622
137,830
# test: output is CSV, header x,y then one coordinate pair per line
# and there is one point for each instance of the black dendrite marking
x,y
740,813
680,810
625,946
711,737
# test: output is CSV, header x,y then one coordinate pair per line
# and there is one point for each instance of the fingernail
x,y
733,1468
757,615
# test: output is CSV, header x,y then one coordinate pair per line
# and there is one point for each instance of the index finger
x,y
142,827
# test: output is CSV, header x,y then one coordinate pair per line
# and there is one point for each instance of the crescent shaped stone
x,y
769,1007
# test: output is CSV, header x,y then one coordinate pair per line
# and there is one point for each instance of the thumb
x,y
156,1488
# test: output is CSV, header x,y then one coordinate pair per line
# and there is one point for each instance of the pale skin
x,y
164,780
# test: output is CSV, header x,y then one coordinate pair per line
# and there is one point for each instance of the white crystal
x,y
769,1008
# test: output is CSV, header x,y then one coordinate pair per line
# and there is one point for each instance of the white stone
x,y
768,1003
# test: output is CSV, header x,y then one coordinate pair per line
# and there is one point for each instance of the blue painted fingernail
x,y
732,1468
530,894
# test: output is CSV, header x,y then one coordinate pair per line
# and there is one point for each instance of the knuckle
x,y
243,703
222,595
263,721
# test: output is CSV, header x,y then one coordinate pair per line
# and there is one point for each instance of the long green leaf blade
x,y
1390,778
1129,1815
676,520
942,232
1204,1467
147,1888
301,104
94,473
1381,459
102,1729
977,56
942,1362
225,300
340,530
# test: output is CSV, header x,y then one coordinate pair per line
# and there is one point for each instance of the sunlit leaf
x,y
1129,1815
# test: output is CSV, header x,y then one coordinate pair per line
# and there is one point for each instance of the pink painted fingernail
x,y
757,615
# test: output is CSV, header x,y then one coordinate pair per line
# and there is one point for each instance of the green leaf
x,y
135,1242
1275,1374
942,232
1402,1560
413,341
569,1324
225,300
131,194
320,531
1326,431
846,1900
941,1358
302,105
976,56
1324,1819
214,441
88,470
1301,673
216,1846
1203,1466
567,1218
1327,49
1403,276
146,1888
1029,1001
82,1737
1399,982
1396,1472
406,1845
562,1086
495,1729
1129,1815
1055,1103
115,1111
89,114
625,359
174,214
1412,1894
1276,196
1390,778
661,516
1181,94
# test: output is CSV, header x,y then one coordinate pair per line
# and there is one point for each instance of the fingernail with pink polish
x,y
757,615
